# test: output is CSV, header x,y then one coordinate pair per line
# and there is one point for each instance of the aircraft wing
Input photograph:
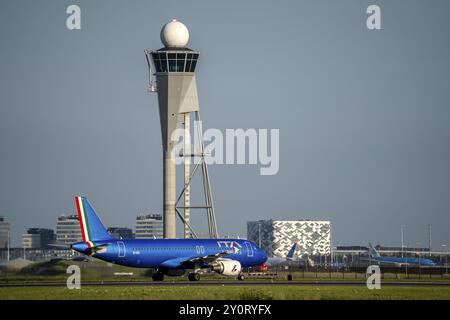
x,y
59,245
208,259
178,262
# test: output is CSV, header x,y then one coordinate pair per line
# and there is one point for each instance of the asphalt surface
x,y
227,283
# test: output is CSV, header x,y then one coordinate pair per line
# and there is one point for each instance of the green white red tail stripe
x,y
84,223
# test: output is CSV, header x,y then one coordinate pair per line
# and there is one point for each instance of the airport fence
x,y
348,273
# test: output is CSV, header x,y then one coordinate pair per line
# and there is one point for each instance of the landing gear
x,y
158,276
241,277
194,276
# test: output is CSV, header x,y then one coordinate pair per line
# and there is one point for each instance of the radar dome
x,y
174,34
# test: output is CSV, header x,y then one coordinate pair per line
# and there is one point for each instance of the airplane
x,y
172,257
375,255
290,258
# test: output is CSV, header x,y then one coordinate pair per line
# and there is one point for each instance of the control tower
x,y
174,80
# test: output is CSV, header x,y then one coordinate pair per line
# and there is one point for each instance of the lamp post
x,y
331,248
418,244
406,264
259,234
9,245
444,246
402,234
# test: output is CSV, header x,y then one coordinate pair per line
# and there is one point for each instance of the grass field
x,y
49,272
229,292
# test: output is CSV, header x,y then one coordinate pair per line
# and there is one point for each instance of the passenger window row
x,y
165,248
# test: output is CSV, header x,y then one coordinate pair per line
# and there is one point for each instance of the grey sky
x,y
363,115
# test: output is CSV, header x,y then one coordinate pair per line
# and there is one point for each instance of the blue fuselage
x,y
173,253
410,261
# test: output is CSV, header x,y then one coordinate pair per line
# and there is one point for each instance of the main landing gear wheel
x,y
158,276
194,276
241,277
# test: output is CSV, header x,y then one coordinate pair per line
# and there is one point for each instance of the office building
x,y
38,238
31,241
4,233
121,233
68,230
149,226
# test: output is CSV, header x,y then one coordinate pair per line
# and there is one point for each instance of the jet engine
x,y
227,267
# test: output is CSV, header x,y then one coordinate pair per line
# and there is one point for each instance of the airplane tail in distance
x,y
291,252
372,251
92,228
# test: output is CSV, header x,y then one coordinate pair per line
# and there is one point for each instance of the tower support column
x,y
169,194
187,174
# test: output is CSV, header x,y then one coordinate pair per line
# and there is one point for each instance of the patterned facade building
x,y
277,237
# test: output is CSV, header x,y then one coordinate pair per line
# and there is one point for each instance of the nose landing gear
x,y
158,276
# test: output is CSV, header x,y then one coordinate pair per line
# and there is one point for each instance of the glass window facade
x,y
174,61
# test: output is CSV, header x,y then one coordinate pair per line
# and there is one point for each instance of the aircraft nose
x,y
263,256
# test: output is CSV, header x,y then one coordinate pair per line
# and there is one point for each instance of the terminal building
x,y
149,226
277,237
4,233
68,230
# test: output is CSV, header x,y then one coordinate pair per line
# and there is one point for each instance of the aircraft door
x,y
249,249
122,249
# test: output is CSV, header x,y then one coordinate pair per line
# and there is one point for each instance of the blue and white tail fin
x,y
92,228
372,252
291,252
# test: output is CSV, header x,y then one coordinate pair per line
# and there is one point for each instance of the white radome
x,y
174,34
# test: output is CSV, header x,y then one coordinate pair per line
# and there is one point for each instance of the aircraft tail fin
x,y
291,252
372,251
92,228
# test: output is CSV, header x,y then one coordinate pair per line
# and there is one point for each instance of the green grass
x,y
229,292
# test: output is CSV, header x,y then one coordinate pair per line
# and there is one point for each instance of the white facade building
x,y
277,237
149,226
68,230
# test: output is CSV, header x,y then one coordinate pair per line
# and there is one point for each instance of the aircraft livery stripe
x,y
86,222
82,218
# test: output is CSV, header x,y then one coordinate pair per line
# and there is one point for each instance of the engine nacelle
x,y
227,267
